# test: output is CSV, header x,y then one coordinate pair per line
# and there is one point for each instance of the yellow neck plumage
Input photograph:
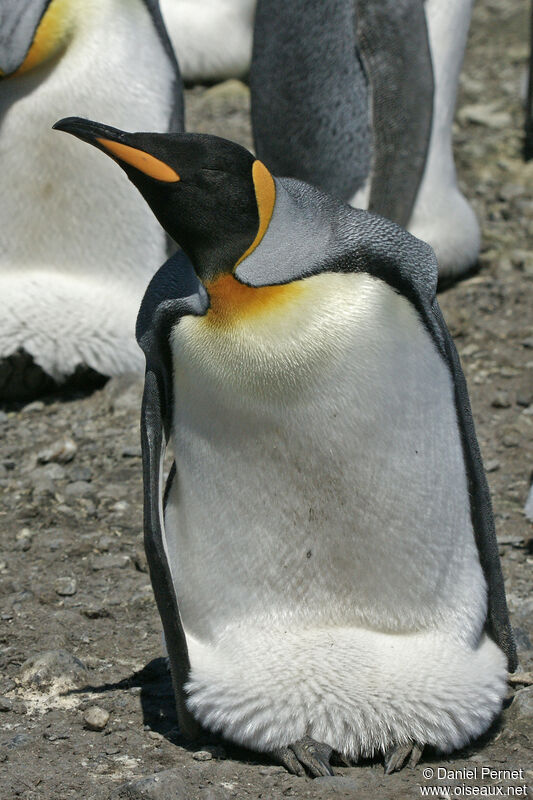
x,y
51,34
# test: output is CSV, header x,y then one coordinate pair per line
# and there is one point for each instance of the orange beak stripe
x,y
142,161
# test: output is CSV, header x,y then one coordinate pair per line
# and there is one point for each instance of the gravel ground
x,y
85,700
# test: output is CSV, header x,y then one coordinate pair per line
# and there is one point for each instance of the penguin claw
x,y
397,756
306,753
287,759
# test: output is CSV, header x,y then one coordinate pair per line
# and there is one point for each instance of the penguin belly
x,y
77,248
319,529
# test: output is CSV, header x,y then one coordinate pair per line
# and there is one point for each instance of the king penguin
x,y
358,98
74,264
324,557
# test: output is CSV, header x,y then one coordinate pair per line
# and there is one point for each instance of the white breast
x,y
320,471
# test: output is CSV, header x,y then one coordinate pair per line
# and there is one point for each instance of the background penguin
x,y
358,98
213,38
326,570
76,248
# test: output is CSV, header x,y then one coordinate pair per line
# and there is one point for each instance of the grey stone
x,y
65,587
78,473
140,561
486,114
41,484
521,709
24,539
54,668
202,755
19,740
13,705
34,407
118,561
79,489
528,508
501,400
511,439
522,640
165,785
492,465
61,452
132,451
96,718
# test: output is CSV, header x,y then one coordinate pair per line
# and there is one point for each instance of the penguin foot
x,y
397,756
305,754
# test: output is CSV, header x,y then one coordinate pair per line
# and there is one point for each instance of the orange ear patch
x,y
53,28
232,301
142,161
265,195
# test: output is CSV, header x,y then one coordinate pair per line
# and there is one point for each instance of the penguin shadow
x,y
159,712
159,715
23,381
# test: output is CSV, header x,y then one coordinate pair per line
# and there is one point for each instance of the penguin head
x,y
31,32
210,195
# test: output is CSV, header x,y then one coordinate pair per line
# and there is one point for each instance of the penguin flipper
x,y
498,623
177,116
394,46
173,292
309,94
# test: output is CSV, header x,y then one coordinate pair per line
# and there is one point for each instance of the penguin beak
x,y
18,24
119,145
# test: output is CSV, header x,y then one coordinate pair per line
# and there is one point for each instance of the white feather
x,y
212,38
319,528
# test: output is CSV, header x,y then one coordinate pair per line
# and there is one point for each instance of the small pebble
x,y
501,400
96,718
120,507
24,539
118,561
65,587
79,489
202,755
78,473
34,407
492,465
132,452
61,451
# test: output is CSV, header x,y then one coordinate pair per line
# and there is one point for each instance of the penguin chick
x,y
325,562
76,248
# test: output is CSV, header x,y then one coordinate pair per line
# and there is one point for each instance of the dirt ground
x,y
73,574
